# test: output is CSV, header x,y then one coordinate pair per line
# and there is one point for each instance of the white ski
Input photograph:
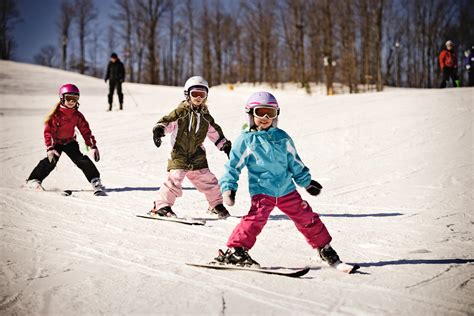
x,y
187,221
291,274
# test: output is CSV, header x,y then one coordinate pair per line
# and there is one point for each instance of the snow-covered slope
x,y
397,171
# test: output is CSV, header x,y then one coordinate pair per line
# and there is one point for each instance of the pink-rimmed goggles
x,y
263,112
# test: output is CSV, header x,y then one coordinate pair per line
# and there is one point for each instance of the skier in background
x,y
469,65
448,63
116,75
59,136
274,167
189,125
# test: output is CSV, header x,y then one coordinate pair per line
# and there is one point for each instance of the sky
x,y
38,26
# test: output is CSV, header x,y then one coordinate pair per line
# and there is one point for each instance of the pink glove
x,y
53,154
95,153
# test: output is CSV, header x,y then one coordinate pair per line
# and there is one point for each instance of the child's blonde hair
x,y
52,112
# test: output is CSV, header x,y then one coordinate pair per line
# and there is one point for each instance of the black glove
x,y
158,132
314,188
227,147
105,80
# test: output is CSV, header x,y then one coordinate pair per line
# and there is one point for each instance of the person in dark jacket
x,y
116,75
469,65
448,63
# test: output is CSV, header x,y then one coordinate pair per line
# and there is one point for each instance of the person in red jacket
x,y
448,63
59,136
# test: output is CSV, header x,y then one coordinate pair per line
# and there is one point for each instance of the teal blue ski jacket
x,y
273,164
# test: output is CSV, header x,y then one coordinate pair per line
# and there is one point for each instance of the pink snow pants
x,y
203,179
306,221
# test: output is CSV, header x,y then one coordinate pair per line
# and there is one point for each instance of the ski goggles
x,y
262,112
71,97
198,93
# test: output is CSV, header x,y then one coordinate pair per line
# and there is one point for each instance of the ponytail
x,y
52,112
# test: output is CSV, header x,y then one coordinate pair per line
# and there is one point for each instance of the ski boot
x,y
164,211
329,255
220,211
236,256
97,187
34,184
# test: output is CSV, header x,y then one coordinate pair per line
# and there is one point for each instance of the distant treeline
x,y
363,44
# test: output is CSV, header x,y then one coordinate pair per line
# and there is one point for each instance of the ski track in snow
x,y
397,171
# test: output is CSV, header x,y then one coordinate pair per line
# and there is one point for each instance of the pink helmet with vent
x,y
68,88
263,99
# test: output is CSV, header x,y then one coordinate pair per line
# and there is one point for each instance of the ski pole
x,y
131,96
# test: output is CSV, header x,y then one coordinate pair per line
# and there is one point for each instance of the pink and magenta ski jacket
x,y
61,128
273,164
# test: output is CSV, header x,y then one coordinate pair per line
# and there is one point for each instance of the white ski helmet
x,y
261,99
196,81
449,43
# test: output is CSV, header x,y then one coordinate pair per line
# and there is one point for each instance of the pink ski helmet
x,y
261,99
68,88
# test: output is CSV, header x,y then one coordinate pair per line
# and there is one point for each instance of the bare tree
x,y
378,28
46,56
315,40
64,23
206,44
328,44
124,18
293,20
229,48
348,55
86,13
95,47
9,16
150,12
216,23
139,46
366,20
258,40
189,11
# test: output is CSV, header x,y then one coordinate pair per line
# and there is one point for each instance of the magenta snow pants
x,y
203,179
298,210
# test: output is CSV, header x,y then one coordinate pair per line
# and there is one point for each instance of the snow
x,y
397,171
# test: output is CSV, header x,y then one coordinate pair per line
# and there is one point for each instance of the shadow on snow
x,y
127,189
415,261
284,217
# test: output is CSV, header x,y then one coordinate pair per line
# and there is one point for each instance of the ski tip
x,y
354,268
346,268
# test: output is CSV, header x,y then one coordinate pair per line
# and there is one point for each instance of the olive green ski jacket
x,y
189,127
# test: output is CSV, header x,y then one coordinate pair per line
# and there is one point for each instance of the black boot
x,y
110,107
329,255
220,211
165,211
237,256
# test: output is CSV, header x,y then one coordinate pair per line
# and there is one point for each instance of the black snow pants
x,y
112,85
449,73
44,167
